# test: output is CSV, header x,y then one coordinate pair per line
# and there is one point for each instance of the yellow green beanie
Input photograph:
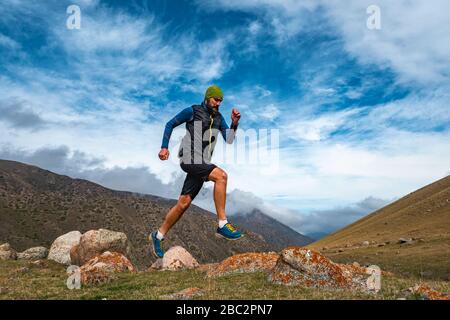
x,y
213,92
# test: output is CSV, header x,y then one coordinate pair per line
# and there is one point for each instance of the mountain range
x,y
37,206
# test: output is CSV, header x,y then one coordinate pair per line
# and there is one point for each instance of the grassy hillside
x,y
423,215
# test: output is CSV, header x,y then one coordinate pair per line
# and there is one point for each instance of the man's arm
x,y
182,117
228,133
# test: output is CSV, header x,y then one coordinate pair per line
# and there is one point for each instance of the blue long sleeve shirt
x,y
188,115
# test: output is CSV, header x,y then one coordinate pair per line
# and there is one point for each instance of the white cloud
x,y
419,111
324,91
316,128
413,40
255,27
346,161
353,94
9,43
212,60
270,112
332,219
283,18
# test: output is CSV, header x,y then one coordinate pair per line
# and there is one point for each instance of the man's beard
x,y
213,110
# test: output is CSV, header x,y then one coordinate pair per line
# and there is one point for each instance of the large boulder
x,y
94,242
7,253
35,253
102,268
60,248
303,267
245,262
176,258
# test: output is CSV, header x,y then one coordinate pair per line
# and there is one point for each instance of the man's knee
x,y
184,202
219,175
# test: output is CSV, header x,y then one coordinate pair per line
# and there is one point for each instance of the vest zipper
x,y
210,134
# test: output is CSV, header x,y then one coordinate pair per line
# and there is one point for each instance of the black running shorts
x,y
197,174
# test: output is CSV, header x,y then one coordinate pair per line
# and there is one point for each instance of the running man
x,y
203,124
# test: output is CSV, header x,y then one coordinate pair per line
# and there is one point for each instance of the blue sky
x,y
362,114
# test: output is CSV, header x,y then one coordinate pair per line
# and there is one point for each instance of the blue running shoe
x,y
157,245
229,232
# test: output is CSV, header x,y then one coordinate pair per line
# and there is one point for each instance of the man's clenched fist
x,y
164,154
235,115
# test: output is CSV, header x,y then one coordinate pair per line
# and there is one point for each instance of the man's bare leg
x,y
220,178
175,213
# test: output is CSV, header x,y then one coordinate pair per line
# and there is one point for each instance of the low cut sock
x,y
222,223
159,235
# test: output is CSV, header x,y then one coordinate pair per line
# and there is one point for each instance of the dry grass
x,y
48,282
431,259
423,214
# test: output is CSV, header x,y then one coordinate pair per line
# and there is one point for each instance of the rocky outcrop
x,y
303,267
60,248
35,253
7,253
176,258
102,268
245,262
94,242
426,293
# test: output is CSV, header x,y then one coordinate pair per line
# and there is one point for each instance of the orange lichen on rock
x,y
352,268
245,262
429,293
102,268
304,267
94,242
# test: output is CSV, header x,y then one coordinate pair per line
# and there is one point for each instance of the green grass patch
x,y
49,282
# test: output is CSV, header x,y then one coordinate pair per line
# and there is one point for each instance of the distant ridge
x,y
424,213
276,234
37,206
